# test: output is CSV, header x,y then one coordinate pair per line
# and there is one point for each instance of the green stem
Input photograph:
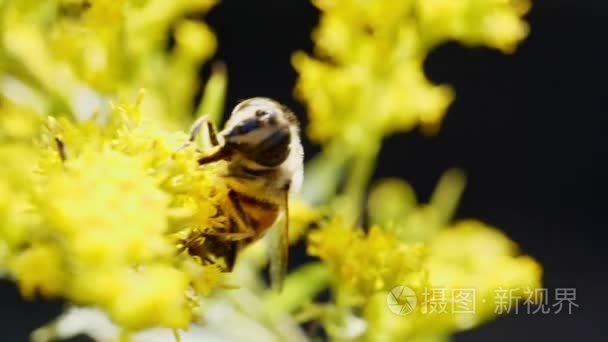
x,y
323,174
362,169
214,94
300,288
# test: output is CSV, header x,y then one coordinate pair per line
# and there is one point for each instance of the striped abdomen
x,y
257,215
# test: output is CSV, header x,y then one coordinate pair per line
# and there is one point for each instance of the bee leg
x,y
212,134
240,227
196,127
210,247
61,148
230,256
218,154
200,123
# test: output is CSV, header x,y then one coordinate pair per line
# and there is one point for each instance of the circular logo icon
x,y
401,300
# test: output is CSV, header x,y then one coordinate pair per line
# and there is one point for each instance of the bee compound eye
x,y
244,127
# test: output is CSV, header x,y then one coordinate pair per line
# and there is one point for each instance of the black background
x,y
528,128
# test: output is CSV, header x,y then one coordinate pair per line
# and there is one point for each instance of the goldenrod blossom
x,y
367,78
364,264
104,219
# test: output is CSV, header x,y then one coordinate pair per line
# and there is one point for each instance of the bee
x,y
261,144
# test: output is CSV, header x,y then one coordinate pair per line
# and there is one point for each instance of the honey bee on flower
x,y
262,146
103,205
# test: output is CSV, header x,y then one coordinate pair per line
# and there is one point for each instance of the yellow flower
x,y
366,79
91,217
362,265
496,23
76,54
152,296
39,269
205,278
16,213
473,255
417,247
468,257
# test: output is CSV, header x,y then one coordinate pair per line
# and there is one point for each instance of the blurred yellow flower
x,y
92,215
39,269
417,247
364,264
76,55
473,255
367,78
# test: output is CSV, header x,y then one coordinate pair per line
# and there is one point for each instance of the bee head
x,y
261,130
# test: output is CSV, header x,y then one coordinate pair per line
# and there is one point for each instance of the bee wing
x,y
278,246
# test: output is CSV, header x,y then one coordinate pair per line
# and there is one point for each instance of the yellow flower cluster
x,y
466,256
100,218
470,254
367,79
365,264
95,205
76,55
